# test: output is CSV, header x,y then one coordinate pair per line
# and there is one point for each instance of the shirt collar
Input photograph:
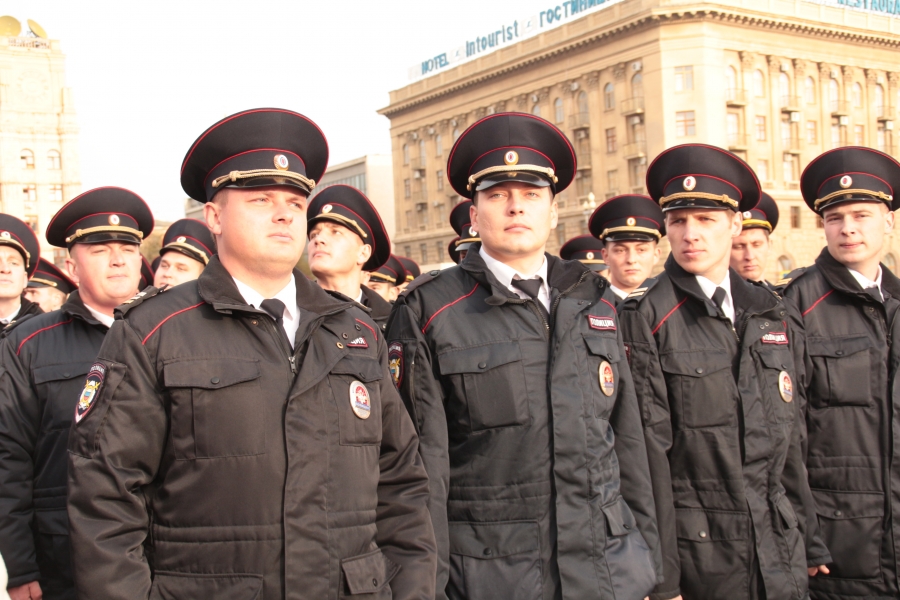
x,y
8,318
288,295
359,298
709,288
865,282
620,293
104,319
505,274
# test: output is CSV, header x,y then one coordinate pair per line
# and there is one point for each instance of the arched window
x,y
536,110
834,95
784,88
879,100
438,145
785,264
890,261
609,96
558,110
637,86
422,155
455,134
759,84
53,161
27,157
405,154
857,95
730,79
583,103
809,90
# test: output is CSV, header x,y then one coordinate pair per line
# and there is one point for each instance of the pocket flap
x,y
479,358
64,371
54,522
786,509
607,347
619,517
210,374
698,525
368,573
838,346
493,540
848,505
364,369
776,358
190,585
696,363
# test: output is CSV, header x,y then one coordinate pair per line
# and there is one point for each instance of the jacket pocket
x,y
701,388
627,556
217,407
495,560
182,586
368,574
714,548
852,525
777,382
603,372
491,379
841,367
358,426
60,385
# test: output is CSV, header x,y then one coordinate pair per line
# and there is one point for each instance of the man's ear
x,y
473,215
889,221
212,215
737,224
365,252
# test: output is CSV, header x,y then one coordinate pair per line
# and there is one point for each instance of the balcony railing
x,y
417,163
583,159
790,104
633,106
885,112
418,196
635,150
736,97
738,141
840,108
579,120
791,144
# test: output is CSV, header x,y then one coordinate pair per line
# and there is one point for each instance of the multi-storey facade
x,y
373,176
39,168
775,81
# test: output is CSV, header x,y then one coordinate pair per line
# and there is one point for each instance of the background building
x,y
39,168
373,176
776,81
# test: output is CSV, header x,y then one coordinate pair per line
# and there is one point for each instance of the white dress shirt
x,y
104,319
288,295
709,288
620,293
8,318
505,275
865,282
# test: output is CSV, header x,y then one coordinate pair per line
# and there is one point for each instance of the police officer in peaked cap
x,y
19,256
527,419
586,250
44,361
846,304
750,250
187,246
248,412
461,222
711,355
387,279
49,286
412,270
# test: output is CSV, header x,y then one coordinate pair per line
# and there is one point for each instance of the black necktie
x,y
719,298
276,309
532,287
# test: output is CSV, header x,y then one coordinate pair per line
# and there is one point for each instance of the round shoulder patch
x,y
91,388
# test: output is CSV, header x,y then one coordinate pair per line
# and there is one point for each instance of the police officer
x,y
847,302
586,250
750,250
147,273
49,286
238,435
513,371
630,228
346,235
19,254
186,249
43,363
715,377
387,279
466,236
412,270
452,251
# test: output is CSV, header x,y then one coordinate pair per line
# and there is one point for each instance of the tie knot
x,y
719,296
532,287
273,307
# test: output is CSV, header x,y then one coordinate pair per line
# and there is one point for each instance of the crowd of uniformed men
x,y
517,426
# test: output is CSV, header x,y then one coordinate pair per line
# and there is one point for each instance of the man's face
x,y
13,276
174,268
629,262
750,252
854,232
514,219
107,274
335,250
48,298
262,229
385,290
701,238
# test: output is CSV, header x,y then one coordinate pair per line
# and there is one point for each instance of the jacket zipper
x,y
284,350
532,303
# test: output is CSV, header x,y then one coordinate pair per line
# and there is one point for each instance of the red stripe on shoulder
x,y
816,303
669,314
448,305
22,343
144,341
369,327
609,303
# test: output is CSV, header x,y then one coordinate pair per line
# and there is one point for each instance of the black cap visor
x,y
517,176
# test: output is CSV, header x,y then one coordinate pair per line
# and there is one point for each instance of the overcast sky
x,y
149,77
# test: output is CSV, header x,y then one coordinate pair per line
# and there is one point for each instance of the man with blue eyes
x,y
513,370
239,435
711,358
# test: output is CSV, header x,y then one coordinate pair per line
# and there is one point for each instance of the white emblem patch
x,y
281,162
359,400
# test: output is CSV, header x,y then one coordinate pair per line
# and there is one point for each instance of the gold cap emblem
x,y
327,208
590,256
181,239
113,219
689,183
631,221
5,235
846,181
281,162
511,157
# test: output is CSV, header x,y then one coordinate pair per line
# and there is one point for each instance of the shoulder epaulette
x,y
346,298
15,323
643,288
138,299
795,274
420,281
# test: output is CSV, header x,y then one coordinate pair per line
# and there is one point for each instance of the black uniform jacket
x,y
853,424
215,463
379,308
732,498
43,363
530,434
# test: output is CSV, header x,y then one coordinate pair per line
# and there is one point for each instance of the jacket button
x,y
838,513
358,328
482,365
67,375
488,552
781,314
626,526
340,345
254,322
702,534
375,582
344,335
763,326
699,370
214,380
840,352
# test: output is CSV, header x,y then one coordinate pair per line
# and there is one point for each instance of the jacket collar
x,y
839,277
75,307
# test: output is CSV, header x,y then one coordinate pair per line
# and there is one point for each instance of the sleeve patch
x,y
395,362
91,389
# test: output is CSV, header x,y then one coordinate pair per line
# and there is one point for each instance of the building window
x,y
637,169
785,264
405,154
440,180
29,193
637,86
759,84
609,96
760,126
407,189
795,217
835,134
584,184
684,124
27,157
558,112
407,250
423,251
53,161
422,156
612,181
684,79
762,170
812,132
733,129
439,248
59,257
787,132
442,213
879,100
32,221
438,145
857,95
789,166
536,110
611,140
583,107
858,137
730,81
455,134
809,90
881,141
56,193
409,223
834,95
784,88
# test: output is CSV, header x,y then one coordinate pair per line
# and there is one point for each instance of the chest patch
x,y
91,388
607,379
785,386
359,342
359,400
602,323
775,337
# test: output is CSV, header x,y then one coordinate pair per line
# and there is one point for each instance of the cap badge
x,y
113,219
181,239
748,214
785,387
327,208
631,221
281,162
472,232
590,256
689,183
5,235
607,379
846,181
359,400
511,157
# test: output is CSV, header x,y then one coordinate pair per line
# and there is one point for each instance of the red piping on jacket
x,y
22,343
448,306
367,326
816,303
669,314
144,341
